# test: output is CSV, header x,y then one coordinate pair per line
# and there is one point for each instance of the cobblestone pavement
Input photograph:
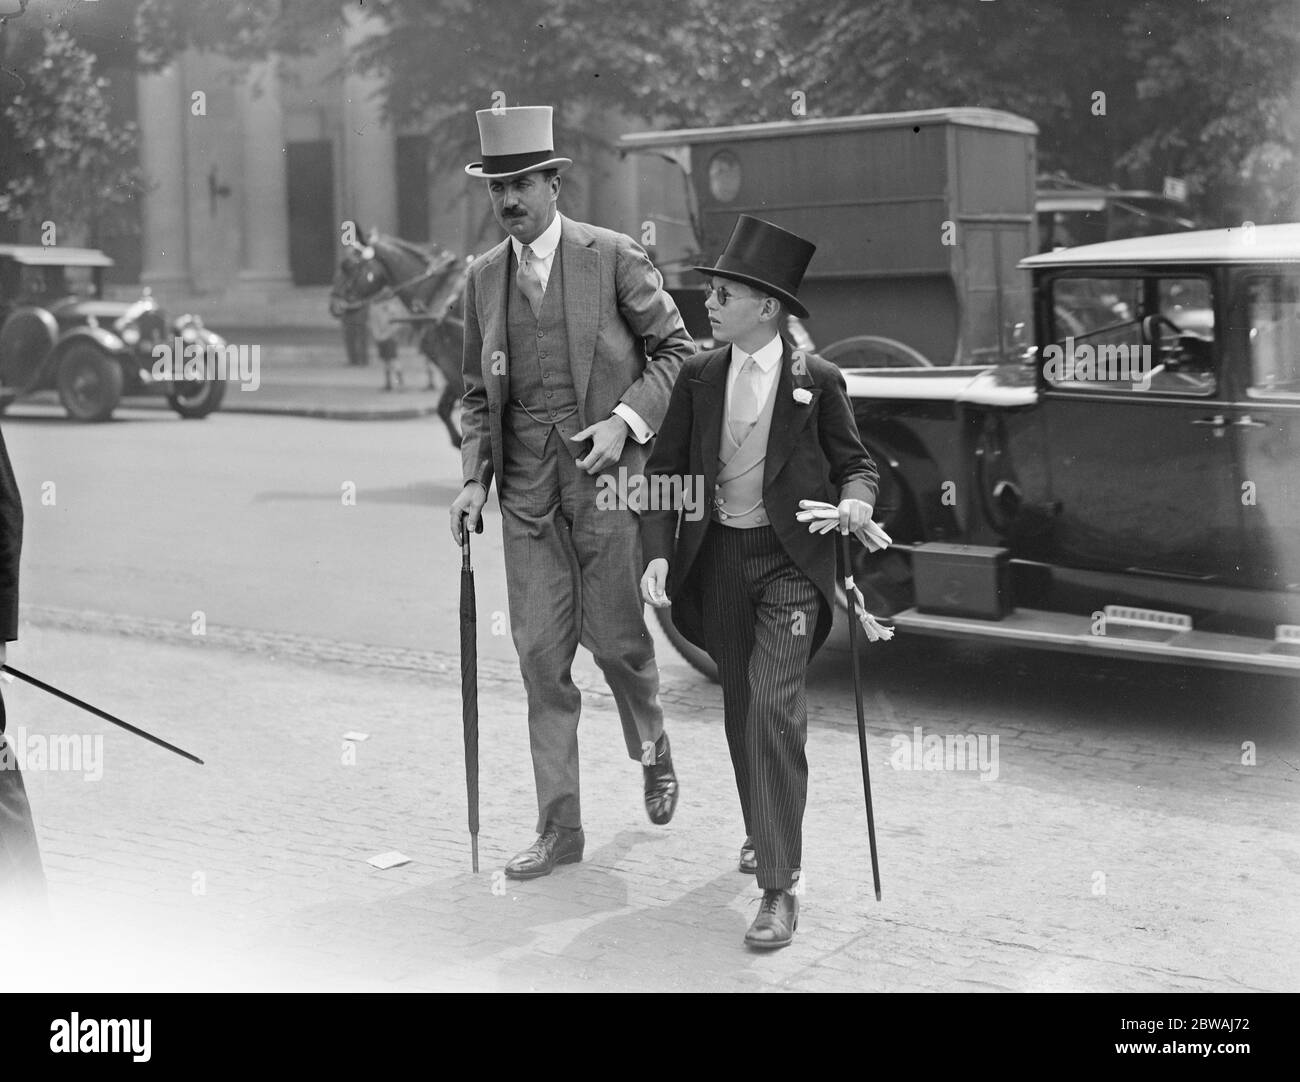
x,y
1104,856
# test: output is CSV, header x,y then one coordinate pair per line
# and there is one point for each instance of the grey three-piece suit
x,y
606,332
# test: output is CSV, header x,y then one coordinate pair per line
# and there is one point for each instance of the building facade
x,y
252,173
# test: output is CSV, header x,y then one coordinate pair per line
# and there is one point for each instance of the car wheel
x,y
194,399
90,383
694,656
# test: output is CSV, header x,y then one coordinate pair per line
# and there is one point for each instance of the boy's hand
x,y
854,515
653,582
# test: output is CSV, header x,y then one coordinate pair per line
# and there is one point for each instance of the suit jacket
x,y
11,543
626,341
813,453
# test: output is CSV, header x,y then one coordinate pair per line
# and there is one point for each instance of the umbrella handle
x,y
464,538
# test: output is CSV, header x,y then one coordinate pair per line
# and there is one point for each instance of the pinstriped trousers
x,y
759,613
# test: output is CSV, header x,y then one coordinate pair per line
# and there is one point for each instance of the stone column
x,y
264,183
165,244
369,144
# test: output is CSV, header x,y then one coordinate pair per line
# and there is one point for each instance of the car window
x,y
1096,308
1274,323
1152,335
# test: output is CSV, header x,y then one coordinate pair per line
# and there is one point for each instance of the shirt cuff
x,y
641,432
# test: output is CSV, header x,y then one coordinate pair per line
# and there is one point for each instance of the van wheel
x,y
90,383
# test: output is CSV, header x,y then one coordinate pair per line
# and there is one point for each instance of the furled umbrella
x,y
469,682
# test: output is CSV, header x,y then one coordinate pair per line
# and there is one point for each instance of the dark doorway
x,y
313,232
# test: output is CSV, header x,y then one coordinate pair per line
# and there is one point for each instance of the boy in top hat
x,y
766,426
571,349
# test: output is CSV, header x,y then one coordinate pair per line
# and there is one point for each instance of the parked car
x,y
58,332
1149,511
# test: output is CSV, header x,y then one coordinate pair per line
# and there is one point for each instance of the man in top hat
x,y
571,349
765,426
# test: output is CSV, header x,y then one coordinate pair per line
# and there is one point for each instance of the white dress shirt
x,y
544,248
768,362
543,251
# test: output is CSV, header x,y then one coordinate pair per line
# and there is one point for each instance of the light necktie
x,y
744,399
529,281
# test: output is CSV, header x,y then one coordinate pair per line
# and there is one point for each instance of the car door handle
x,y
1217,421
1246,421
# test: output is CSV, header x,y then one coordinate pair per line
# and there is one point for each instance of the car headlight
x,y
130,334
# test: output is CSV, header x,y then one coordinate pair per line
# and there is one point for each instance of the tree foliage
x,y
62,158
1202,89
1208,90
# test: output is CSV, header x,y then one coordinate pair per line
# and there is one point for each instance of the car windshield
x,y
44,285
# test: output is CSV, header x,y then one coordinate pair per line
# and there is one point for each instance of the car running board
x,y
1075,634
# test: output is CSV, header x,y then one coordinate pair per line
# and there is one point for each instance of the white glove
x,y
825,518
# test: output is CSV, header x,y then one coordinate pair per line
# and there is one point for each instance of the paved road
x,y
1122,845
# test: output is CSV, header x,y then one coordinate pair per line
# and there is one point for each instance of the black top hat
x,y
766,257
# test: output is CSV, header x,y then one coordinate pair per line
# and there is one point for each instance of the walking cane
x,y
851,593
469,682
57,693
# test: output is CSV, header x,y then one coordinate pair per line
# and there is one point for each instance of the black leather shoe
x,y
778,917
556,845
661,784
748,858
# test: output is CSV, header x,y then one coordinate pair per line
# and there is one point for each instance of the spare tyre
x,y
26,339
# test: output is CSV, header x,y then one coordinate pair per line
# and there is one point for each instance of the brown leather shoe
x,y
778,917
748,858
661,784
555,845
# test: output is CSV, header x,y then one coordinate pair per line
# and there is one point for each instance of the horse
x,y
430,281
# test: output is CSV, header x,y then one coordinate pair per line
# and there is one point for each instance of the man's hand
x,y
854,515
470,504
653,582
607,439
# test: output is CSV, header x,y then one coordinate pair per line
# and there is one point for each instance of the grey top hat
x,y
515,141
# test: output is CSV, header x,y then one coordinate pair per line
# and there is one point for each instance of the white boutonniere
x,y
802,395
